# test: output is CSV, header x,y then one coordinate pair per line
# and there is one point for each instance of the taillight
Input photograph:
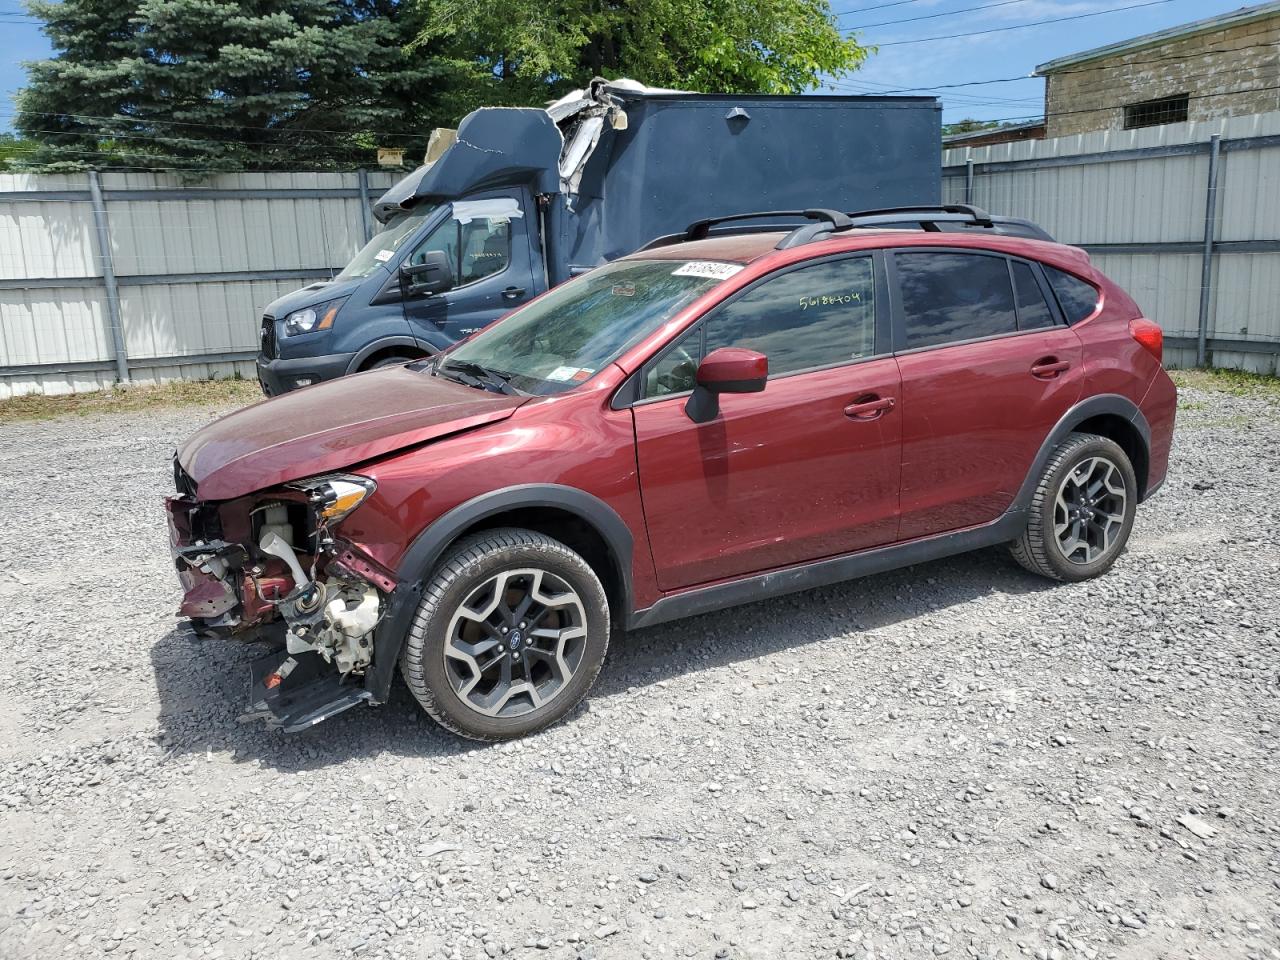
x,y
1148,333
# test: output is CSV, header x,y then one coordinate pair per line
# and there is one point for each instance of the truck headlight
x,y
334,496
312,319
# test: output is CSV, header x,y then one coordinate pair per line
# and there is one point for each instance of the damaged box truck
x,y
521,199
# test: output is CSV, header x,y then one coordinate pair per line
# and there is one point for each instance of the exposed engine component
x,y
334,618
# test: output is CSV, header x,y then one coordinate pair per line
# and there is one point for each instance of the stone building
x,y
1221,66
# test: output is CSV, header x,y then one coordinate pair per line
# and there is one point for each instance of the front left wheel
x,y
511,633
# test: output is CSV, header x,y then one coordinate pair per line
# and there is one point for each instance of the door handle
x,y
1049,367
513,293
869,407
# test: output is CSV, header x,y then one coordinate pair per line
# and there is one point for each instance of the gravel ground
x,y
954,759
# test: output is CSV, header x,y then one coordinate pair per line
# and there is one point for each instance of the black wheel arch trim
x,y
382,343
1112,404
429,546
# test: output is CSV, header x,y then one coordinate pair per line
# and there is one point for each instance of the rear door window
x,y
1033,309
950,297
1077,298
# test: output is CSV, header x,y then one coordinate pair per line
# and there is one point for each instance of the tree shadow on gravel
x,y
203,684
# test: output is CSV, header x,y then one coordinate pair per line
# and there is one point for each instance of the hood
x,y
332,426
310,295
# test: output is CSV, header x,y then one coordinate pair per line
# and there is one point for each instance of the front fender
x,y
426,550
383,343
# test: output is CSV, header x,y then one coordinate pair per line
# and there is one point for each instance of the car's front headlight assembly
x,y
334,496
312,319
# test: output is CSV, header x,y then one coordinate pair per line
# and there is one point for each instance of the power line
x,y
935,16
848,84
1216,73
1087,69
1069,113
1022,26
874,6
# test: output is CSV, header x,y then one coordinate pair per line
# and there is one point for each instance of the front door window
x,y
476,249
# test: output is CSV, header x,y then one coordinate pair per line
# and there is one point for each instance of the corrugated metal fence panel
x,y
208,233
191,319
59,325
51,238
1166,286
1153,200
47,240
1246,297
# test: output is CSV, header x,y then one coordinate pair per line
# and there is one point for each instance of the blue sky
x,y
988,56
904,61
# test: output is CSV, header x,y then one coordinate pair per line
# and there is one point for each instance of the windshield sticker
x,y
570,374
382,256
830,299
624,289
708,269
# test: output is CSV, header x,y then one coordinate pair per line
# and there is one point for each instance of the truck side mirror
x,y
727,370
433,275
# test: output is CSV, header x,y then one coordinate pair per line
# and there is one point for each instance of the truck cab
x,y
374,314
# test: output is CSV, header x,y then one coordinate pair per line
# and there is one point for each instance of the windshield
x,y
561,340
384,245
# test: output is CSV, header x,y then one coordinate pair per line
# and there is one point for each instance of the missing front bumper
x,y
312,691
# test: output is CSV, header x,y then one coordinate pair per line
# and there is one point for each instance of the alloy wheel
x,y
515,642
1089,512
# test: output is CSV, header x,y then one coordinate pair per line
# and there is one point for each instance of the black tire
x,y
467,568
395,360
1040,549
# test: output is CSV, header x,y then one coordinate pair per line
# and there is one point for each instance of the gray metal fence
x,y
145,277
1186,217
141,276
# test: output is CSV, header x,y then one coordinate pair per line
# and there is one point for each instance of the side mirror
x,y
433,275
727,370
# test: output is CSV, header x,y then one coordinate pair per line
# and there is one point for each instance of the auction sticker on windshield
x,y
382,256
707,268
570,374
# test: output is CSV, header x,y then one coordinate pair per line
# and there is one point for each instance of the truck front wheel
x,y
394,360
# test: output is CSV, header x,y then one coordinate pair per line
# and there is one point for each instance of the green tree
x,y
527,51
968,126
12,151
230,84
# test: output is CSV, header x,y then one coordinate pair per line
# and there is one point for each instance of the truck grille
x,y
269,337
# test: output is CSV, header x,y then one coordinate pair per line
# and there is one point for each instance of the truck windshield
x,y
384,245
563,338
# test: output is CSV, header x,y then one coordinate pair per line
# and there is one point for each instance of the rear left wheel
x,y
1082,510
510,635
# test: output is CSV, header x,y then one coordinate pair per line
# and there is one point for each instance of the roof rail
x,y
977,214
699,229
826,222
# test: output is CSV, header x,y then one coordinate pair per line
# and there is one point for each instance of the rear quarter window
x,y
1077,298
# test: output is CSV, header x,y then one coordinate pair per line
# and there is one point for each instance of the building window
x,y
1153,113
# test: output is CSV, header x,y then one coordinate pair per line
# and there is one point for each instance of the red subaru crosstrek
x,y
703,423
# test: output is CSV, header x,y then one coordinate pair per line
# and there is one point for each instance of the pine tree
x,y
218,85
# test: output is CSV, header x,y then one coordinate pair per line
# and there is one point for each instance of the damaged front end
x,y
270,567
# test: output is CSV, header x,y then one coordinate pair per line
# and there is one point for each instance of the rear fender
x,y
1103,404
